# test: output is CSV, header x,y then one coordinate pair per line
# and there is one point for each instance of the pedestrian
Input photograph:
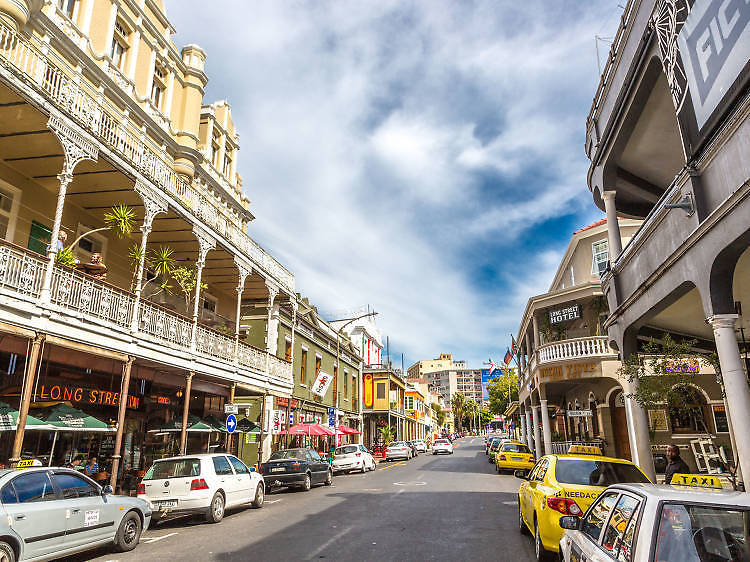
x,y
92,467
74,464
675,464
62,237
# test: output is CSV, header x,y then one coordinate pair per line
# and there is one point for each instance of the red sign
x,y
281,401
86,395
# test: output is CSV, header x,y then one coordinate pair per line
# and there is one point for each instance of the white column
x,y
244,270
546,427
613,228
638,433
206,242
735,385
272,322
529,437
523,428
537,437
535,327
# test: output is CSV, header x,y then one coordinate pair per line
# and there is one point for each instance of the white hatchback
x,y
200,484
352,457
442,446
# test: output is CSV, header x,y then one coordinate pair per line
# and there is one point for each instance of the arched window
x,y
687,411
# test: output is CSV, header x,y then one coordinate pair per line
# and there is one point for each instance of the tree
x,y
387,434
470,412
485,417
458,405
439,414
499,389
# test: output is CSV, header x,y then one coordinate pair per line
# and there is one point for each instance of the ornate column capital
x,y
273,291
718,321
76,146
244,270
206,242
153,204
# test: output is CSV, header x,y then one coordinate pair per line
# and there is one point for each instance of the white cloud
x,y
369,132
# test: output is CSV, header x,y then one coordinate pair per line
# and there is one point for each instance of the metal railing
x,y
66,89
20,271
595,346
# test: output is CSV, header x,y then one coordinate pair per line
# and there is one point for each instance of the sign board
x,y
231,409
579,413
332,417
368,390
658,420
487,376
278,421
565,314
321,384
231,423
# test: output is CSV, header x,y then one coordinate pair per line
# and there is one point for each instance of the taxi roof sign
x,y
696,481
584,450
28,463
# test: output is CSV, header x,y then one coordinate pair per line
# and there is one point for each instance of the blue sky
x,y
425,158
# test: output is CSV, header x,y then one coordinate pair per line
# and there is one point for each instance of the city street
x,y
449,507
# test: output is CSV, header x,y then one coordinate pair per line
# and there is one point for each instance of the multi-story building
x,y
469,383
443,363
667,136
98,107
365,335
417,413
447,377
383,392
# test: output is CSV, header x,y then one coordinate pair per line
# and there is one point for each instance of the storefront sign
x,y
368,391
332,417
231,409
278,421
321,384
567,372
163,400
84,395
283,402
658,420
579,413
565,314
691,366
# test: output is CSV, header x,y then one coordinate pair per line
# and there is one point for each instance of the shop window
x,y
68,7
120,44
687,411
303,367
600,251
9,203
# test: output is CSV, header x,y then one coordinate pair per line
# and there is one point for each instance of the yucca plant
x,y
66,257
120,219
160,262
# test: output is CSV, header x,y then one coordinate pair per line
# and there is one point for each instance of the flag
x,y
508,357
492,367
514,345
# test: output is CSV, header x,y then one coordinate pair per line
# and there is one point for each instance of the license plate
x,y
166,503
280,469
517,458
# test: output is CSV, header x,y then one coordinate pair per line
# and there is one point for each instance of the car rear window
x,y
176,468
441,442
592,472
346,450
294,454
515,448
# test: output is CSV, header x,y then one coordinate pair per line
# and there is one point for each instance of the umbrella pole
x,y
52,451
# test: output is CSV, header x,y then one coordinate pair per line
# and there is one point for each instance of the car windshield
x,y
515,448
174,468
592,472
346,450
698,533
294,454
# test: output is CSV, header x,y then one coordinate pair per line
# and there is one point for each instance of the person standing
x,y
675,464
92,467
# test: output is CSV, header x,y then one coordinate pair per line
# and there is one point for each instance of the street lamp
x,y
338,369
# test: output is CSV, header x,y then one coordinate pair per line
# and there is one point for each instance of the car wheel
x,y
216,509
260,497
7,554
541,554
307,484
364,467
522,528
329,478
129,533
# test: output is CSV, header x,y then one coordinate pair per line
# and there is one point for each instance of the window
x,y
215,148
354,388
593,522
180,468
91,244
409,403
600,250
625,550
313,456
34,487
74,486
303,367
239,466
9,202
221,466
68,7
541,471
8,495
227,163
158,87
346,384
380,391
585,472
318,361
288,349
687,411
613,535
119,45
209,302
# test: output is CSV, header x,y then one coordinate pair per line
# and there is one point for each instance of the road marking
x,y
155,539
329,542
393,465
510,503
410,483
372,489
272,501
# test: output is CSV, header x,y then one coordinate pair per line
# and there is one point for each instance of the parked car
x,y
421,446
204,484
56,512
352,457
442,446
300,468
398,450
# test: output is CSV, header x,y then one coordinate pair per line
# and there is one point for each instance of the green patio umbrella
x,y
9,419
218,424
194,424
64,417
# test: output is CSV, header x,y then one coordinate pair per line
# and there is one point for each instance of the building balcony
x,y
91,311
40,74
578,348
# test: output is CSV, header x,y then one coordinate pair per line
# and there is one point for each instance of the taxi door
x,y
536,480
585,544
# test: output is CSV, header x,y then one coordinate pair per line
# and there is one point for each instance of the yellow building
x,y
99,108
417,414
383,392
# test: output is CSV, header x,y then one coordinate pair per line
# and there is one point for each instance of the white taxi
x,y
442,446
348,458
661,523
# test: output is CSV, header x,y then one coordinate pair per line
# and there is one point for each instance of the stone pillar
x,y
121,408
546,430
29,377
15,13
535,326
272,322
185,412
206,242
529,434
614,239
244,271
523,427
538,453
638,431
735,385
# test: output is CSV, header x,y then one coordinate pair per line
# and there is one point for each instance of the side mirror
x,y
570,522
252,469
522,474
107,490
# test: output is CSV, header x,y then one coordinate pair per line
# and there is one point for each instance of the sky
x,y
423,158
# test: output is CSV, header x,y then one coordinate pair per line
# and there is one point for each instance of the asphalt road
x,y
446,507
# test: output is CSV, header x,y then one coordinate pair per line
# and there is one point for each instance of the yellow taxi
x,y
561,485
513,455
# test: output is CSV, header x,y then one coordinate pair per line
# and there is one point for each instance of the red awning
x,y
307,429
346,430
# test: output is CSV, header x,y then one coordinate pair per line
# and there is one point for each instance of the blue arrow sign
x,y
231,423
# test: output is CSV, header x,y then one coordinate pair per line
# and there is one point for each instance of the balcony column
x,y
535,326
186,412
523,426
29,377
77,148
529,436
295,306
613,228
735,385
153,204
206,242
122,406
544,413
244,270
538,452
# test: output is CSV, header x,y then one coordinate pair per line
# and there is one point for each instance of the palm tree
x,y
439,414
387,434
458,405
470,412
120,219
